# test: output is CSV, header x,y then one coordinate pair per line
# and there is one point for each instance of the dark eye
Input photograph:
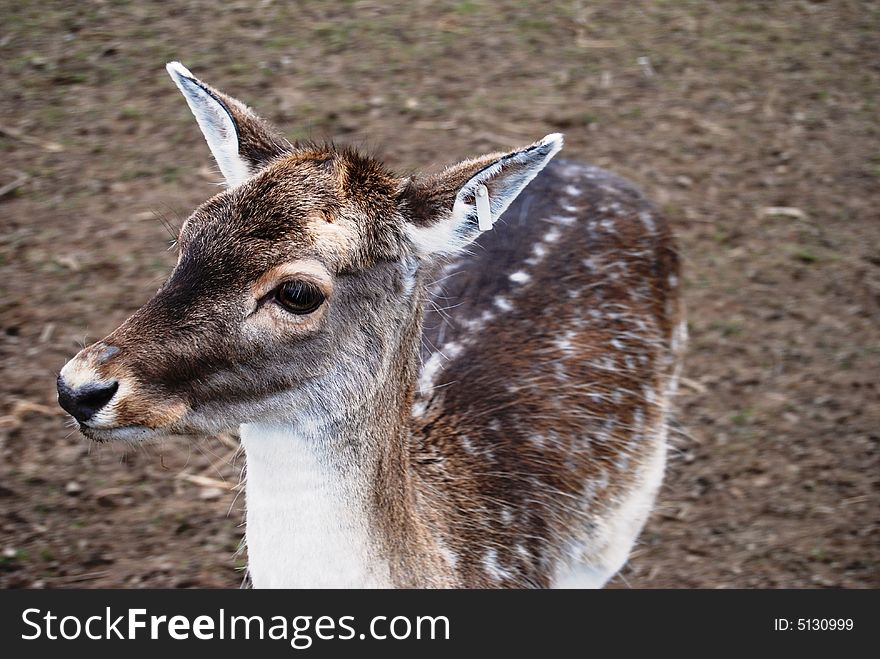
x,y
299,297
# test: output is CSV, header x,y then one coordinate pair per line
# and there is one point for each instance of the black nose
x,y
83,403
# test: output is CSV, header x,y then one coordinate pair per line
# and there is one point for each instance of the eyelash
x,y
298,297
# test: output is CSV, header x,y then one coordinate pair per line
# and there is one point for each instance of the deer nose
x,y
82,404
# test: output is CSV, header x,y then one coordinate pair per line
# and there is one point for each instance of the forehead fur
x,y
319,202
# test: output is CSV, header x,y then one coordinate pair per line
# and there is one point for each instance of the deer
x,y
439,380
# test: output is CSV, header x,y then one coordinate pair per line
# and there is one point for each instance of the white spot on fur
x,y
492,567
451,350
520,277
638,418
539,251
419,408
430,369
605,363
552,236
503,303
446,552
564,342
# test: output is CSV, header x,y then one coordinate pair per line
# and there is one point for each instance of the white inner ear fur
x,y
215,122
505,179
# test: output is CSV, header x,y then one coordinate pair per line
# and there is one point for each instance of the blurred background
x,y
753,125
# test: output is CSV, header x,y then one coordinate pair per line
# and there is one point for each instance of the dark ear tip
x,y
183,77
188,84
177,70
545,148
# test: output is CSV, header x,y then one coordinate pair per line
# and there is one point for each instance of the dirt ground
x,y
753,125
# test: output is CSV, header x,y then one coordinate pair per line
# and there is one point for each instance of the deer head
x,y
298,290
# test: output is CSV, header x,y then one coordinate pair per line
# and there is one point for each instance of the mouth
x,y
120,433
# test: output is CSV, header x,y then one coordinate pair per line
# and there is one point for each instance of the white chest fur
x,y
307,523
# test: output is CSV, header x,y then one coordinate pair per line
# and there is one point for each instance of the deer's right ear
x,y
240,141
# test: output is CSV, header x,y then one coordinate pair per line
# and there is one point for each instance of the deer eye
x,y
299,297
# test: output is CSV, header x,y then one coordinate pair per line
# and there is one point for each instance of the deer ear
x,y
441,211
241,142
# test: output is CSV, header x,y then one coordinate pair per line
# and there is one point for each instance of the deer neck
x,y
330,497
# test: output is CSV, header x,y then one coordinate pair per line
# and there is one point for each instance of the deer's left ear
x,y
441,211
240,141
